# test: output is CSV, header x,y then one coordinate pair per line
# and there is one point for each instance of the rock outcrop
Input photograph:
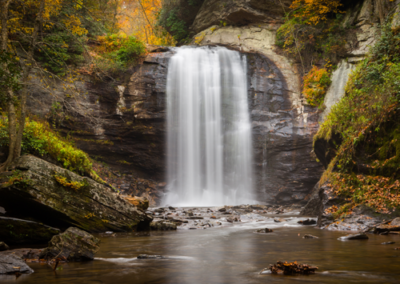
x,y
72,245
163,225
12,264
239,12
93,207
17,231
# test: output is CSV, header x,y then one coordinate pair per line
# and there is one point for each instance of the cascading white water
x,y
209,132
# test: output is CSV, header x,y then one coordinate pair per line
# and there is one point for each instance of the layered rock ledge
x,y
93,207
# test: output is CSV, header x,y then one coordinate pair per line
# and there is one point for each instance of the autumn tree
x,y
315,11
32,39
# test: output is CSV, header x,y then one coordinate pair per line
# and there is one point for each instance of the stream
x,y
231,253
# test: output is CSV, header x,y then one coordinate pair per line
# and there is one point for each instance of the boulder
x,y
307,222
12,264
72,245
93,207
293,268
3,246
279,220
162,225
361,236
141,203
17,231
395,222
264,231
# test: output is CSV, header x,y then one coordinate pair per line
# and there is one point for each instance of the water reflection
x,y
229,255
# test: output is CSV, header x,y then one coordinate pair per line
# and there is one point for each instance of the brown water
x,y
232,254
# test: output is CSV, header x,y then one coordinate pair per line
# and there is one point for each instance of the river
x,y
232,253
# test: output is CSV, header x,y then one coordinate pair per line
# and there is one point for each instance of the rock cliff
x,y
129,133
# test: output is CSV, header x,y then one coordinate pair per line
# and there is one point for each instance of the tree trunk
x,y
25,79
12,123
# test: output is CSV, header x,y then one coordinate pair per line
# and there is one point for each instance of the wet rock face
x,y
285,172
132,118
72,245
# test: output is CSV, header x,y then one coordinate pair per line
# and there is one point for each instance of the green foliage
x,y
59,50
126,49
10,73
39,139
119,51
312,44
367,160
176,26
17,179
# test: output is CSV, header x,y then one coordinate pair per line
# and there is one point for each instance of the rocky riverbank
x,y
192,218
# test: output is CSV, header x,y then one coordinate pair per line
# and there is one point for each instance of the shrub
x,y
310,41
119,50
40,140
315,11
366,162
316,83
60,49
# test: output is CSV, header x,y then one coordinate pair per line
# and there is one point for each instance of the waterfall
x,y
209,155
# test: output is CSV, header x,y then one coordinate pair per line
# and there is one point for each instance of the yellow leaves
x,y
73,23
52,8
315,85
315,10
140,20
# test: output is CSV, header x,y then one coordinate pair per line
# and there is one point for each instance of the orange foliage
x,y
316,83
377,192
139,18
315,10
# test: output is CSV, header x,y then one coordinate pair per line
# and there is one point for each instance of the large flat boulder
x,y
17,231
92,206
10,263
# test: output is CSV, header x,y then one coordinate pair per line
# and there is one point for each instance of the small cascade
x,y
209,132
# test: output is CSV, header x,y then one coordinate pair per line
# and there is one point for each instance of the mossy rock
x,y
17,231
72,245
94,207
